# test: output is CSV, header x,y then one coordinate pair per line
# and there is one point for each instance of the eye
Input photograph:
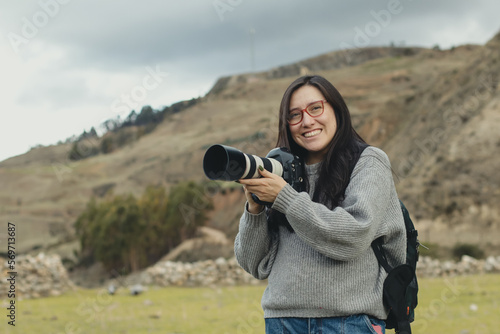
x,y
294,114
315,109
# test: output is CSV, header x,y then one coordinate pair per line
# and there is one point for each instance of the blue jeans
x,y
355,324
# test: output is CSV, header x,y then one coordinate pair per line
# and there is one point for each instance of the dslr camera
x,y
230,164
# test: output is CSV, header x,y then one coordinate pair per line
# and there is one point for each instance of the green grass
x,y
158,310
444,307
447,305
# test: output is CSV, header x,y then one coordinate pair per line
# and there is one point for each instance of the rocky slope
x,y
445,150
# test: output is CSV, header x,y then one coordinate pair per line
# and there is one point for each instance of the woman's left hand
x,y
265,188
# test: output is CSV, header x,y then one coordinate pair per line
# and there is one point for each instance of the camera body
x,y
293,167
229,164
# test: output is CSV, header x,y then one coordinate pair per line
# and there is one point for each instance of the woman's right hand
x,y
253,207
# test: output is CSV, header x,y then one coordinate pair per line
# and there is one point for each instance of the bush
x,y
472,250
107,145
81,150
433,250
127,234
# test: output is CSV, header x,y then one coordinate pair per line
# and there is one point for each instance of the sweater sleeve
x,y
347,231
255,247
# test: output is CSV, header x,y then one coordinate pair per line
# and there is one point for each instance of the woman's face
x,y
312,133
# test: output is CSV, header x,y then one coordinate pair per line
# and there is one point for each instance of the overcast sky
x,y
68,65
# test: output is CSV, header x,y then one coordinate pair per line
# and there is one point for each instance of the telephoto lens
x,y
230,164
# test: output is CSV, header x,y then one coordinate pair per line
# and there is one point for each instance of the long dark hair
x,y
343,152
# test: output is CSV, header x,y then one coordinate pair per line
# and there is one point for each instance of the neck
x,y
314,158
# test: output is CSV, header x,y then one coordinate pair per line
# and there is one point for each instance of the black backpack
x,y
400,286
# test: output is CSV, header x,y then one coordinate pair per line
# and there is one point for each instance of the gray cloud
x,y
59,91
115,35
197,42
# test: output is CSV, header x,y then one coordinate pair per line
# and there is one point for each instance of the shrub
x,y
107,145
472,250
81,150
127,234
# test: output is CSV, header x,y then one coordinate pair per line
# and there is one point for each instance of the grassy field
x,y
463,305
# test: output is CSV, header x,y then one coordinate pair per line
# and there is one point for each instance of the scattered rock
x,y
137,289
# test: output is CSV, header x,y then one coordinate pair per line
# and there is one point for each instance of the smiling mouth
x,y
312,133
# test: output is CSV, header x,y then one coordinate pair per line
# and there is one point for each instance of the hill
x,y
434,112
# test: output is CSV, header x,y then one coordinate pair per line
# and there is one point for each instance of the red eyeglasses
x,y
313,109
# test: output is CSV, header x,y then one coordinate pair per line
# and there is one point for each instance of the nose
x,y
307,120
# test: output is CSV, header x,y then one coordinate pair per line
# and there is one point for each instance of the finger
x,y
251,182
248,194
251,188
266,173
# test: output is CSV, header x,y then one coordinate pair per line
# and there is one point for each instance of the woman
x,y
314,247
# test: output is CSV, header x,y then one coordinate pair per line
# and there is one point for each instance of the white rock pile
x,y
36,276
227,272
224,272
429,267
203,273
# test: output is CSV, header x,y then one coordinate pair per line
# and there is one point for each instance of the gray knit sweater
x,y
327,268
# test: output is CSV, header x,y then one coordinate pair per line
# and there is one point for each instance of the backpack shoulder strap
x,y
412,253
357,154
380,254
377,243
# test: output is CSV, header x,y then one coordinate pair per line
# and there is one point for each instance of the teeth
x,y
312,133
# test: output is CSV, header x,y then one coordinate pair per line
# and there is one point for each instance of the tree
x,y
146,116
127,234
187,209
108,233
130,120
154,203
93,132
111,124
107,145
82,149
